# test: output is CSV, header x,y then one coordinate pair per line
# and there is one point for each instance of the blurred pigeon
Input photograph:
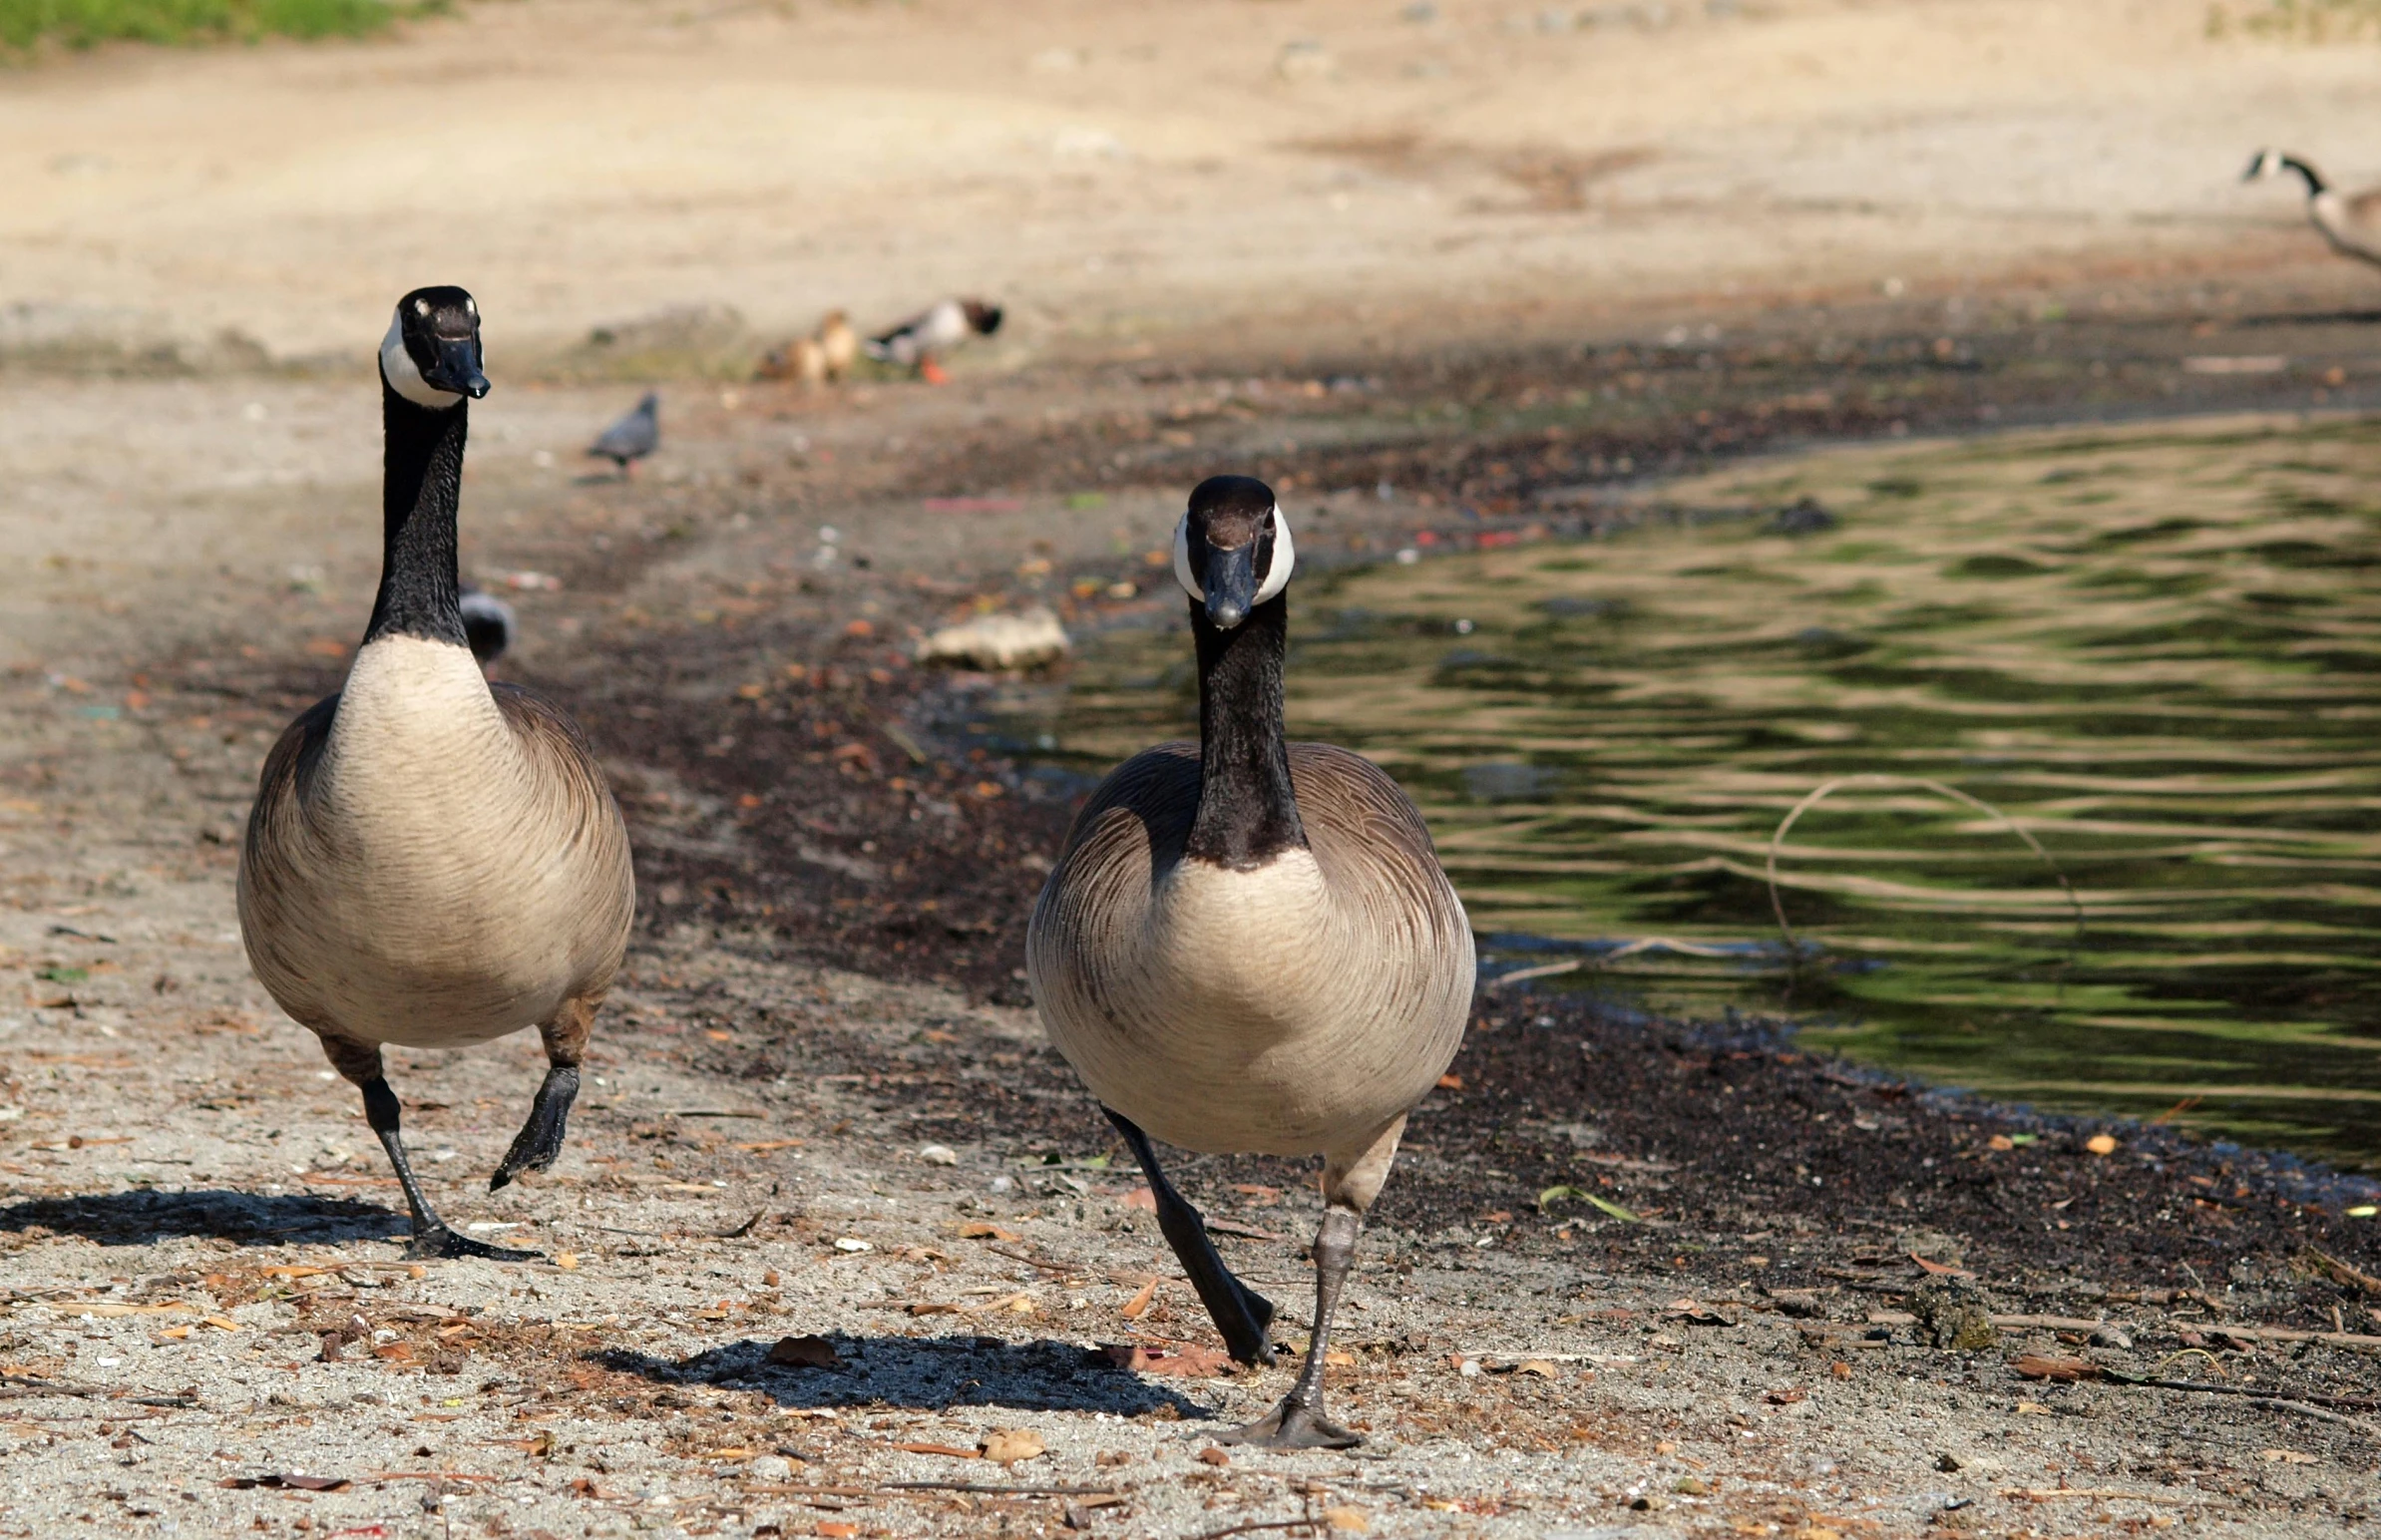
x,y
631,438
915,341
488,625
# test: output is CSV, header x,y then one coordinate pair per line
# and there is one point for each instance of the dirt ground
x,y
206,1329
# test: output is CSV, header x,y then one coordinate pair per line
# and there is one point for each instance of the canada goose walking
x,y
1248,945
633,437
433,860
2351,221
918,342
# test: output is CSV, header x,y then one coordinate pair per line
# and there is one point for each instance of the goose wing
x,y
272,889
1378,856
1130,831
580,823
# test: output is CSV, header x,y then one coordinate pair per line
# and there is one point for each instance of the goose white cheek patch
x,y
1277,577
1285,556
405,377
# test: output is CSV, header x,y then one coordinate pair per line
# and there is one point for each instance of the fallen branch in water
x,y
1880,779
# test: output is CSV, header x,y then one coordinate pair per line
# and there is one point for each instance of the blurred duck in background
x,y
920,342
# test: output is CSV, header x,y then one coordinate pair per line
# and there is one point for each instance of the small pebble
x,y
938,1155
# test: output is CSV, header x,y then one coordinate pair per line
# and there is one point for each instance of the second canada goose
x,y
1248,944
434,861
2351,222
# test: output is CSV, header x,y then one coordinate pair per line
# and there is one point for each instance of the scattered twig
x,y
2096,1494
2340,1272
1542,970
745,1228
2347,1402
991,1489
2306,1403
708,1112
1250,1529
1035,1262
32,1386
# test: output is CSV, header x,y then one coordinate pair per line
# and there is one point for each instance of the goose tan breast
x,y
1270,1011
440,886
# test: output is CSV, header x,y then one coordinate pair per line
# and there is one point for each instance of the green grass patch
x,y
25,24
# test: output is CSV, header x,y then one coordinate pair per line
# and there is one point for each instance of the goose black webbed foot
x,y
431,1238
1241,1314
541,1138
435,1242
1294,1424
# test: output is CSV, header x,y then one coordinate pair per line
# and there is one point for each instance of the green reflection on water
x,y
2160,650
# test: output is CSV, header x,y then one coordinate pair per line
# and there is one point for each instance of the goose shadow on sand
x,y
927,1373
144,1216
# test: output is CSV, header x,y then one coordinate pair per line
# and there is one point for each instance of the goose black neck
x,y
2314,183
1248,813
420,486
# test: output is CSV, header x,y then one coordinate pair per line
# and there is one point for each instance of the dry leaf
x,y
1008,1445
1339,1360
835,1528
567,1260
978,1230
1189,1360
1211,1455
2101,1144
2065,1371
1350,1522
2032,1410
1539,1367
2287,1456
1135,1307
1940,1269
1450,1081
1141,1198
286,1271
811,1351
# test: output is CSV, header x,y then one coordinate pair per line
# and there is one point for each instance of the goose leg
x,y
1349,1184
360,1063
541,1138
1240,1312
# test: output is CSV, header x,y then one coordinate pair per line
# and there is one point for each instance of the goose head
x,y
431,355
1232,549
